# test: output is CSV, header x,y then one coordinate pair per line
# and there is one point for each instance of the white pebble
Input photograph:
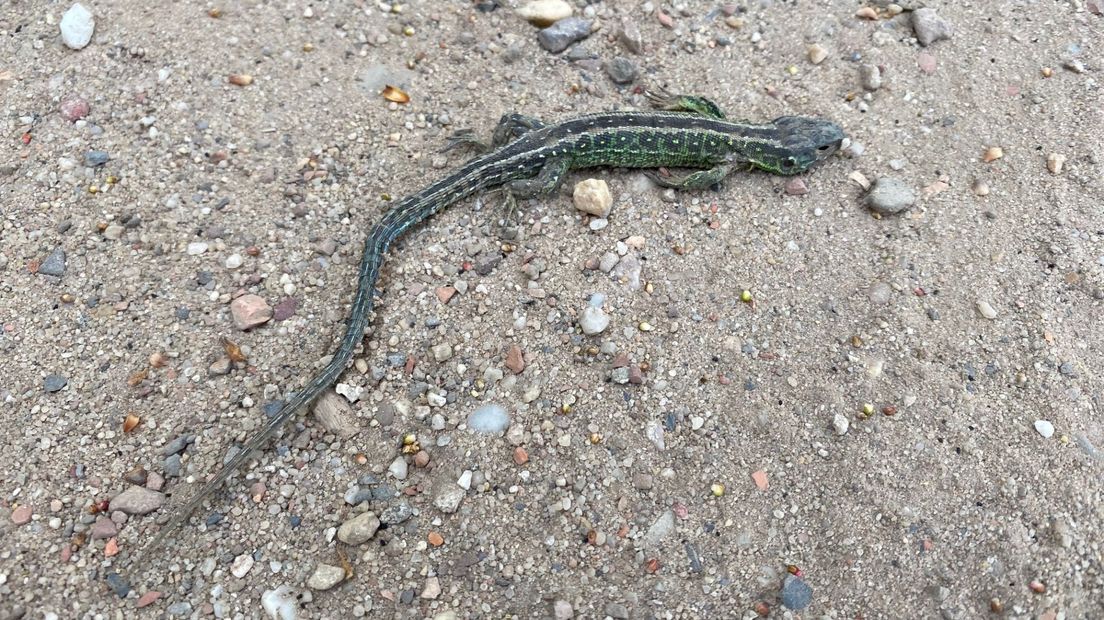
x,y
241,565
1045,428
593,321
281,603
196,248
233,261
398,468
488,419
840,423
76,26
593,196
986,310
465,480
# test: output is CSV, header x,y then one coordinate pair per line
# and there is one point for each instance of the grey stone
x,y
796,594
622,70
95,158
137,501
393,515
54,264
890,196
930,27
449,499
557,37
54,383
359,529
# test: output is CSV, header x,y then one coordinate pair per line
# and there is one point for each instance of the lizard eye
x,y
788,163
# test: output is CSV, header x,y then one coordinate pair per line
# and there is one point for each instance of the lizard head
x,y
803,141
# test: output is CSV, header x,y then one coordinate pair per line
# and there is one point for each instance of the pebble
x,y
544,13
94,158
21,515
840,423
147,599
1055,162
557,37
593,321
73,110
930,27
432,588
196,248
795,186
660,529
249,311
870,76
325,577
622,71
593,196
562,610
54,383
926,63
617,611
234,261
986,310
285,309
515,360
608,262
360,529
817,54
630,38
103,529
54,264
398,468
796,594
137,501
890,195
1045,428
488,418
399,513
465,480
281,603
77,25
118,584
441,352
241,565
881,293
448,500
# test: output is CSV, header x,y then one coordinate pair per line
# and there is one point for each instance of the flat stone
x,y
54,264
515,360
890,196
622,70
241,565
544,13
335,415
103,528
137,501
95,158
250,311
448,500
325,577
796,594
21,515
54,383
399,513
488,418
593,321
432,588
930,27
1044,428
557,37
360,529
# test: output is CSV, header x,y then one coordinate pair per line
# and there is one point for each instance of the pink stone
x,y
74,109
21,515
926,62
148,598
250,311
515,361
796,187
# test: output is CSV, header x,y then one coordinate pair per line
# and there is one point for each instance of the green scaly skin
x,y
529,158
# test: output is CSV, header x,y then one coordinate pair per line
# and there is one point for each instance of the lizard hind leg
x,y
662,99
702,179
510,126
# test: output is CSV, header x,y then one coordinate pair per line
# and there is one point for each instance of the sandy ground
x,y
964,326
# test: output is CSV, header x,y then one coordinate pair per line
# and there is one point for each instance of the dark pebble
x,y
118,584
137,476
53,383
487,264
407,596
177,445
203,278
396,359
182,313
622,70
171,466
557,37
285,309
295,521
213,519
271,409
796,594
54,265
96,158
393,515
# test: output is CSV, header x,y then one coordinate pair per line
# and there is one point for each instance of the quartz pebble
x,y
544,13
488,419
281,603
593,196
840,423
986,310
593,321
77,25
1045,428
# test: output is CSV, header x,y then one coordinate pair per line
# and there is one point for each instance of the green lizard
x,y
529,158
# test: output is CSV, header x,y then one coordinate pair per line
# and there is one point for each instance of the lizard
x,y
529,158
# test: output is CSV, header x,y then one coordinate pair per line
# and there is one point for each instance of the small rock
x,y
515,361
54,264
448,500
796,594
147,599
398,468
54,383
593,196
660,529
77,25
593,321
926,63
281,603
629,36
817,54
880,293
241,565
465,480
73,110
521,457
986,310
21,515
890,196
94,158
103,529
562,610
442,352
544,13
335,415
870,76
840,423
1054,162
617,611
196,248
325,577
621,70
1045,428
930,27
557,37
250,311
795,186
360,529
137,501
488,419
398,513
285,309
432,588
